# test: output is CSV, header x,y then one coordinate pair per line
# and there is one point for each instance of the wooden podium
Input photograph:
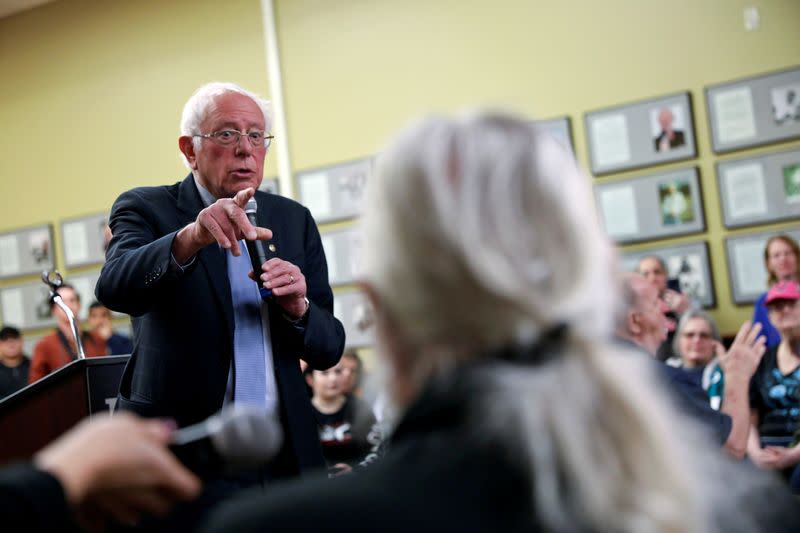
x,y
36,415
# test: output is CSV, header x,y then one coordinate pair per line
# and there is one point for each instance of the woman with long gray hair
x,y
494,295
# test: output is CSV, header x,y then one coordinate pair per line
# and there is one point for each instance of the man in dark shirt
x,y
644,324
100,323
14,364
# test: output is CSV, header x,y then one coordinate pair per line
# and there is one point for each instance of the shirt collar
x,y
205,194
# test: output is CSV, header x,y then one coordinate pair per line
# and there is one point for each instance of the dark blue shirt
x,y
119,345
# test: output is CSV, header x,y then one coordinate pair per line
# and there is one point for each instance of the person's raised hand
x,y
741,360
676,301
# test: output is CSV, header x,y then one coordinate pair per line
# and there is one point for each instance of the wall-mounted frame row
x,y
743,113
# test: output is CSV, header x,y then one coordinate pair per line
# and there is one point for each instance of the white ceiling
x,y
10,7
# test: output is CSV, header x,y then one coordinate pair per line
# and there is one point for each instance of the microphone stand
x,y
54,280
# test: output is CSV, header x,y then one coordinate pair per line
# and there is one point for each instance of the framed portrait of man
x,y
639,134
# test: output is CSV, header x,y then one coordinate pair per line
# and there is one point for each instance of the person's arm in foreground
x,y
107,468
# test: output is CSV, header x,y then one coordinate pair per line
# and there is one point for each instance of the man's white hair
x,y
201,103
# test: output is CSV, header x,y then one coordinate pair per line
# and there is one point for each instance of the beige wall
x,y
91,90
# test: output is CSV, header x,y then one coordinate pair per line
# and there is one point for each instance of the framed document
x,y
26,251
560,129
357,317
651,206
343,252
754,111
335,192
746,270
84,284
270,185
687,263
26,306
83,240
640,134
761,189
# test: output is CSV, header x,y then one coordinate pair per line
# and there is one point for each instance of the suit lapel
x,y
212,257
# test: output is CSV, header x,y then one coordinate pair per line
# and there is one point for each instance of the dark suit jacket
x,y
183,320
677,140
32,500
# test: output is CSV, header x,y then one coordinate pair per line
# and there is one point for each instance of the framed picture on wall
x,y
84,284
270,185
560,129
26,306
83,240
640,134
343,252
756,190
652,206
26,251
746,270
687,264
357,317
335,192
754,111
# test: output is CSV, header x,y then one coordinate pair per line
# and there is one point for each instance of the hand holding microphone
x,y
256,249
281,279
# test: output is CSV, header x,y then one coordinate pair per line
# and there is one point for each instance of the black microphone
x,y
258,255
237,438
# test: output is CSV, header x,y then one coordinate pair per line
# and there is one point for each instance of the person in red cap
x,y
775,389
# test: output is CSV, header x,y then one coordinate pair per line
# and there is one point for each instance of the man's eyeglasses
x,y
257,139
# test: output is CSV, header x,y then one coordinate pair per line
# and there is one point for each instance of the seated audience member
x,y
102,471
697,344
654,269
782,261
14,365
59,348
352,373
644,324
519,414
775,388
343,420
100,324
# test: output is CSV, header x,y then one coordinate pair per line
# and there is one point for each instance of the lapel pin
x,y
271,247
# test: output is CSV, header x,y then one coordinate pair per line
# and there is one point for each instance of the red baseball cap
x,y
783,290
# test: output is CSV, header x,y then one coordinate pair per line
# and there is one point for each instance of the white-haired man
x,y
203,335
644,324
